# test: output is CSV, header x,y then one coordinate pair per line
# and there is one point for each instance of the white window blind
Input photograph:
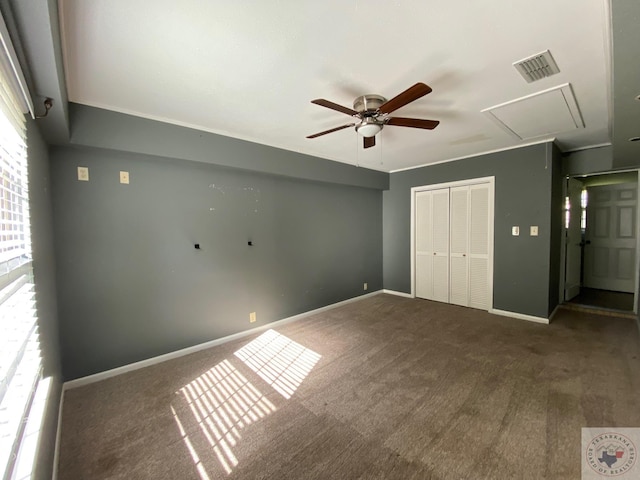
x,y
20,364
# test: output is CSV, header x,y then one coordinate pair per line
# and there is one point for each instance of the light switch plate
x,y
515,231
534,230
124,177
83,174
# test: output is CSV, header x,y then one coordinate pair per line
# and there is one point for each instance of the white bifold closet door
x,y
452,245
424,245
432,244
479,246
459,260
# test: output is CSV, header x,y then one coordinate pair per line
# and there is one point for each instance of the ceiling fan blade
x,y
413,122
331,131
334,106
408,96
369,142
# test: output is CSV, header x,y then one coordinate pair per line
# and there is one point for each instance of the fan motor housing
x,y
368,103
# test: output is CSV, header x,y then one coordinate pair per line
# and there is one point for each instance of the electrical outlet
x,y
366,286
124,177
252,317
83,174
515,231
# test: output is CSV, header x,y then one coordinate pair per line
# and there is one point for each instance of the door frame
x,y
564,258
461,183
563,241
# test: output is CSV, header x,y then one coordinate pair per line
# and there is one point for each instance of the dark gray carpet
x,y
387,387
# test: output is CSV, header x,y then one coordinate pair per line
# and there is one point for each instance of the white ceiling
x,y
249,69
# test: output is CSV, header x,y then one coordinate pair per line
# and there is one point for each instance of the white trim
x,y
96,377
479,154
412,233
398,294
472,181
456,183
9,59
492,219
56,449
520,316
636,290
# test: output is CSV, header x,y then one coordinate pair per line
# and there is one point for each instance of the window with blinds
x,y
20,364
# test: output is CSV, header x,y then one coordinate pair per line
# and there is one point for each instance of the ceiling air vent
x,y
537,67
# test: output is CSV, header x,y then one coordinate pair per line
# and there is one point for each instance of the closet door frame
x,y
462,183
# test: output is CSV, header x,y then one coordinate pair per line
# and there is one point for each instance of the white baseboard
x,y
56,448
96,377
399,294
520,316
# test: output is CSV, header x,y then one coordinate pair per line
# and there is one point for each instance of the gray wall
x,y
131,284
588,161
95,127
44,273
625,17
523,193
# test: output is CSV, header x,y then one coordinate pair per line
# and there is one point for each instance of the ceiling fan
x,y
371,113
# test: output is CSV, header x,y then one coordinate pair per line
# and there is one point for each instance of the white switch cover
x,y
124,177
515,231
534,230
83,174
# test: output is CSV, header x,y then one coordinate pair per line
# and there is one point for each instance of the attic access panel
x,y
541,114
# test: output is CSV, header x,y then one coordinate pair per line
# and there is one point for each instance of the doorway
x,y
600,243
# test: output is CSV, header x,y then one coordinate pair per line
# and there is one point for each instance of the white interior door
x,y
440,224
432,244
610,252
459,261
479,246
424,245
573,240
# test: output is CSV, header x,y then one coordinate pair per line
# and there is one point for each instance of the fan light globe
x,y
368,129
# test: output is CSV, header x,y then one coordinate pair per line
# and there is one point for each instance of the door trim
x,y
461,183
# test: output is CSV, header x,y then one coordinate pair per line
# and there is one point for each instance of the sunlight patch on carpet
x,y
279,361
192,451
223,402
